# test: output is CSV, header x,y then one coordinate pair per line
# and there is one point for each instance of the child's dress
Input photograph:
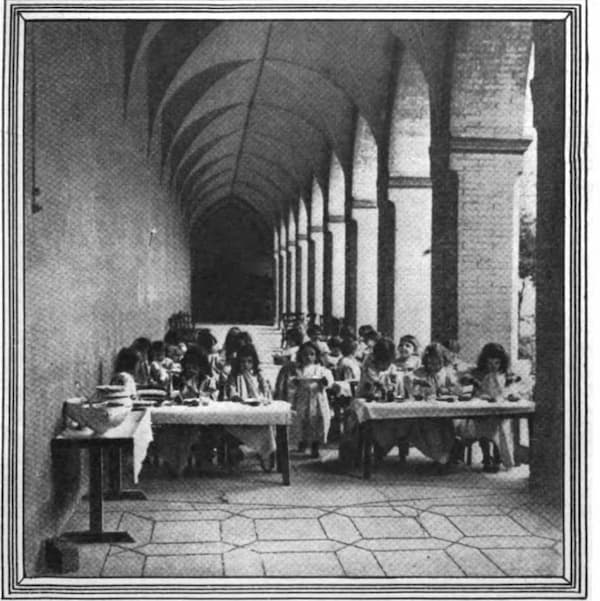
x,y
159,373
259,439
433,437
495,386
301,387
409,364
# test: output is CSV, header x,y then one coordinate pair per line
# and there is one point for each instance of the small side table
x,y
135,430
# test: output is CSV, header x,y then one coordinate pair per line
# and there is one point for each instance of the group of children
x,y
313,373
378,370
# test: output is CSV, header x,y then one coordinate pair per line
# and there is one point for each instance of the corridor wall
x,y
106,253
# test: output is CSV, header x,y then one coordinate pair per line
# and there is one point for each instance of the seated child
x,y
492,381
335,353
126,366
379,377
367,337
314,333
159,365
408,354
303,383
452,350
433,437
142,374
246,382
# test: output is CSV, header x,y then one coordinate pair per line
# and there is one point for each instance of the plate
x,y
447,398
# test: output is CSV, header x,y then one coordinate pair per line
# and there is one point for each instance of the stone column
x,y
366,216
337,226
487,172
302,283
316,234
276,277
412,253
547,442
283,271
291,248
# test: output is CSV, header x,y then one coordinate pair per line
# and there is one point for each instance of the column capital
x,y
476,145
358,203
406,181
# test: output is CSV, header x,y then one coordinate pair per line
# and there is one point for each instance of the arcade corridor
x,y
370,171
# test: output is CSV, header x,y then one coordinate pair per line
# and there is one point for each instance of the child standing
x,y
303,383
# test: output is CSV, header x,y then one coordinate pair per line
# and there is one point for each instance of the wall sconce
x,y
153,233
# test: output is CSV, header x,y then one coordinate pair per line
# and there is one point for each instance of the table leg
x,y
367,446
115,479
96,534
283,454
96,474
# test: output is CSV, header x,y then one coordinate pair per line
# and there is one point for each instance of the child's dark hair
x,y
231,344
314,330
127,360
493,350
306,345
142,345
171,337
244,339
205,339
348,347
364,330
247,350
384,350
434,351
410,339
158,347
294,336
334,342
372,335
347,332
195,357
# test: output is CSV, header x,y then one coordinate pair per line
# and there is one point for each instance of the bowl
x,y
100,417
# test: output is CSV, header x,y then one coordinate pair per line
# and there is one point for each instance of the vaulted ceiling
x,y
252,110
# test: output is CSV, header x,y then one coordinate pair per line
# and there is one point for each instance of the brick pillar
x,y
283,271
487,170
337,227
302,282
276,277
412,267
547,442
366,216
316,234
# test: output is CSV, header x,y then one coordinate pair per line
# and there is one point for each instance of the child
x,y
367,337
348,368
247,382
380,381
314,335
408,354
433,437
493,382
452,358
379,378
303,383
207,344
142,374
294,340
334,355
159,365
126,365
434,377
196,377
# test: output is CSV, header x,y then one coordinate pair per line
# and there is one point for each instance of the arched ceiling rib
x,y
257,108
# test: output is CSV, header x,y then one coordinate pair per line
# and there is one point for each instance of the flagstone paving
x,y
406,522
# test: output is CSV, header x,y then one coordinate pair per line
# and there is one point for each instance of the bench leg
x,y
283,454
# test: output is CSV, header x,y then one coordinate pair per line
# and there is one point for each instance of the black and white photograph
x,y
295,300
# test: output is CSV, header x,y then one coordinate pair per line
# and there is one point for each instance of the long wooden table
x,y
227,413
135,434
370,412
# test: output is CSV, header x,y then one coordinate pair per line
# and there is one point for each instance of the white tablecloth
x,y
438,409
137,426
225,413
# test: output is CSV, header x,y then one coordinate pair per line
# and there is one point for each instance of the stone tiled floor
x,y
330,523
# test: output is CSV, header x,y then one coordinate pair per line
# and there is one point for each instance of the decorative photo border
x,y
15,585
